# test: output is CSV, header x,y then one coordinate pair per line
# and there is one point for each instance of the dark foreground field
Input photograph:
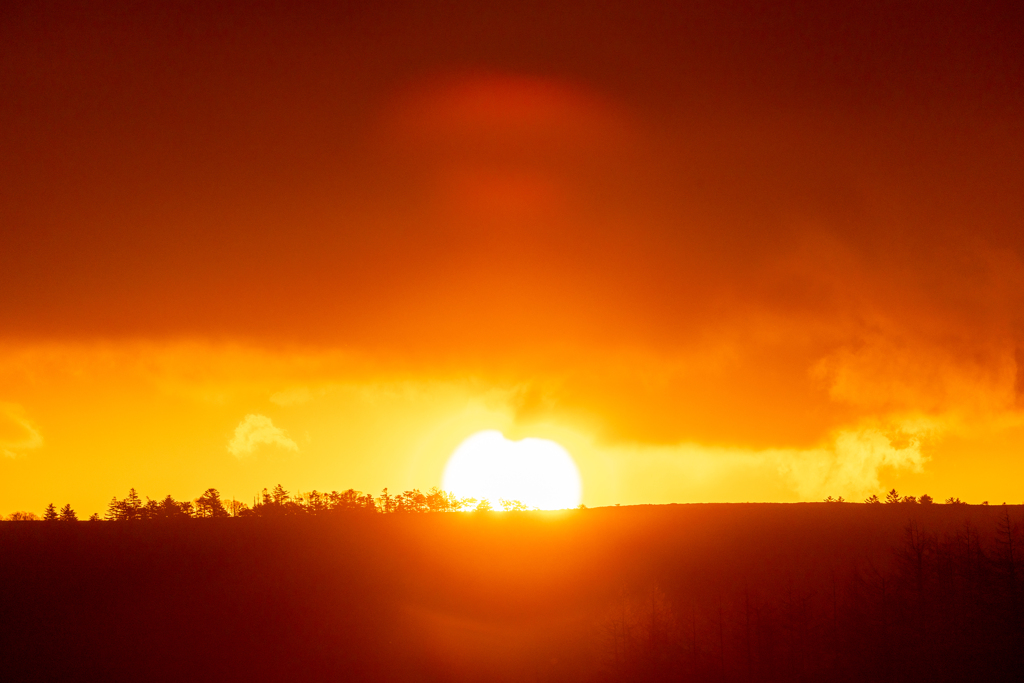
x,y
805,592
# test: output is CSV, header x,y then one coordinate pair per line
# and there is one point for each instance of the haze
x,y
721,252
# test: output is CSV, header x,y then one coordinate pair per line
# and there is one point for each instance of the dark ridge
x,y
740,592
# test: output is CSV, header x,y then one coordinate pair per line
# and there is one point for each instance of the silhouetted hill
x,y
681,592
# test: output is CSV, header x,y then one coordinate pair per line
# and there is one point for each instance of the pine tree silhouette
x,y
67,514
50,513
210,505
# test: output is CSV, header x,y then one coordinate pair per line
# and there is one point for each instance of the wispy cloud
x,y
851,466
255,431
17,433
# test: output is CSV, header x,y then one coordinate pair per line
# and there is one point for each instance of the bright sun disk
x,y
537,472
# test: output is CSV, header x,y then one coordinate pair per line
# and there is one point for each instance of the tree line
x,y
276,502
279,502
893,496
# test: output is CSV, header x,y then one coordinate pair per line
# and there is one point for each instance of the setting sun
x,y
536,472
533,342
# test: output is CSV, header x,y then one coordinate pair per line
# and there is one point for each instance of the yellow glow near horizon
x,y
537,472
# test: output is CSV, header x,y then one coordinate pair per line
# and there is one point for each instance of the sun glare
x,y
537,472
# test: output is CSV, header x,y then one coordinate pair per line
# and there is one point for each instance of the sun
x,y
537,472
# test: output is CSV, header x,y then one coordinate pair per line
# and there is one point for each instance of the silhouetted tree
x,y
512,505
483,506
316,503
276,503
908,499
22,517
350,501
113,513
168,508
892,497
443,501
94,517
925,499
386,502
872,499
132,506
50,513
67,514
128,510
411,501
279,496
209,505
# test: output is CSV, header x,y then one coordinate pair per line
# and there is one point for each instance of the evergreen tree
x,y
132,506
386,502
316,503
169,508
114,513
94,517
50,514
892,497
67,514
210,505
279,496
346,500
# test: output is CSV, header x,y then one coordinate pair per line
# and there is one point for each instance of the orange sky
x,y
739,251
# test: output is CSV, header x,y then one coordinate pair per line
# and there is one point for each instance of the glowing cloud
x,y
852,466
256,430
16,432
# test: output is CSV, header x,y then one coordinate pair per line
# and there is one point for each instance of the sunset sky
x,y
730,251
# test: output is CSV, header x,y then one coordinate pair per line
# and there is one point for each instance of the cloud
x,y
851,466
17,433
256,430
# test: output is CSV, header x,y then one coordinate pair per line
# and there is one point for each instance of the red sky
x,y
747,226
